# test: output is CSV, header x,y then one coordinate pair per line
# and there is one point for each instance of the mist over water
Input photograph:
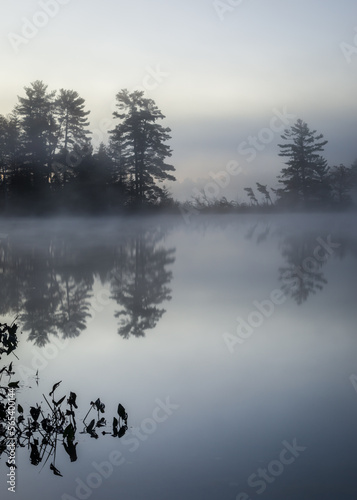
x,y
230,341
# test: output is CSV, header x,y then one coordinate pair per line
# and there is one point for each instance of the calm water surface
x,y
231,342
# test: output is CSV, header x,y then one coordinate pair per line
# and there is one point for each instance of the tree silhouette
x,y
305,179
9,155
72,119
36,114
341,179
140,142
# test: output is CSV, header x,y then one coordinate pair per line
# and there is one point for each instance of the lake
x,y
229,340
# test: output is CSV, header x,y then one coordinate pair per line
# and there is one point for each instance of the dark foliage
x,y
43,429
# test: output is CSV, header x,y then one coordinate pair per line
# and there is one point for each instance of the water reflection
x,y
50,284
139,285
306,253
289,380
47,425
302,275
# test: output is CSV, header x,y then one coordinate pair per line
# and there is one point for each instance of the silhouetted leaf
x,y
121,412
56,472
102,422
69,432
115,426
122,431
35,457
90,426
14,385
55,387
99,405
70,448
72,399
57,403
46,425
35,412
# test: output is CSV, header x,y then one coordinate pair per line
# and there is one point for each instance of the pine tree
x,y
305,177
72,119
38,124
9,154
142,144
341,184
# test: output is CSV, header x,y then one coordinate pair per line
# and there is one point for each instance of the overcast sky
x,y
220,71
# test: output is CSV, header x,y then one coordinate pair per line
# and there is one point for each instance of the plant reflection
x,y
46,426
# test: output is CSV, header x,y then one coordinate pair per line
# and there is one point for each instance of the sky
x,y
229,75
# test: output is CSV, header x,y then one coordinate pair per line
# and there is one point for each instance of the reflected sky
x,y
234,402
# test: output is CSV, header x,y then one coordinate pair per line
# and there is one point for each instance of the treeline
x,y
305,182
47,162
48,165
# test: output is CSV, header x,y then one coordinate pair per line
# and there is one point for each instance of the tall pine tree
x,y
38,124
142,145
305,178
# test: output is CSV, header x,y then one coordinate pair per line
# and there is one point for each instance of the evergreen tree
x,y
72,120
341,181
9,143
305,176
38,125
71,136
141,142
116,187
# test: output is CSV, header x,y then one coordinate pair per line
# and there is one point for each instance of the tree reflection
x,y
306,252
50,284
140,285
302,276
74,306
